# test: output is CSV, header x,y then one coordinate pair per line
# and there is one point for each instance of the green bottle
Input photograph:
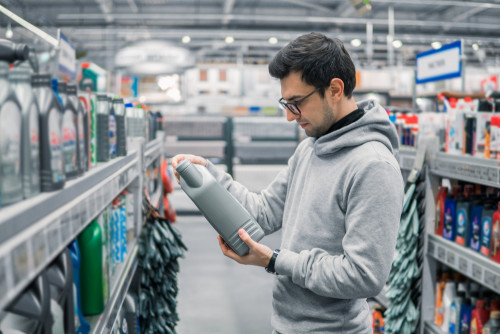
x,y
91,269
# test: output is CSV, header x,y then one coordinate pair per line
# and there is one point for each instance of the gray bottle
x,y
121,133
10,140
51,160
69,138
102,128
77,106
20,78
221,209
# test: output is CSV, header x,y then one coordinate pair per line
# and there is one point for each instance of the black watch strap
x,y
272,262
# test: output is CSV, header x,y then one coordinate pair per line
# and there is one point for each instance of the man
x,y
338,201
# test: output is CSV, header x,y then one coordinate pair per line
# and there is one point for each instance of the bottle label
x,y
69,142
495,242
81,140
476,233
437,218
10,151
461,222
56,160
448,224
453,317
35,147
93,132
486,236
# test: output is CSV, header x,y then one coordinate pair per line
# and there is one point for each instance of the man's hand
x,y
259,254
193,158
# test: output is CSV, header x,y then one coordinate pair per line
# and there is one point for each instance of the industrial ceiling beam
x,y
228,9
468,14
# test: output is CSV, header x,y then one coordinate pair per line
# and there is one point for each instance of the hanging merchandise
x,y
160,247
404,292
121,131
77,107
102,128
51,160
11,189
20,77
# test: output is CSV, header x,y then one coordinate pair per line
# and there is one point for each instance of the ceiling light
x,y
229,39
397,43
436,45
273,40
186,39
475,46
356,42
9,33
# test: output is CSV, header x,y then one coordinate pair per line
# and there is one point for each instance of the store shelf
x,y
156,197
467,168
104,322
33,232
466,261
407,157
153,151
432,328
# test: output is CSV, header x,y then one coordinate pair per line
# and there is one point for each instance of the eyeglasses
x,y
294,107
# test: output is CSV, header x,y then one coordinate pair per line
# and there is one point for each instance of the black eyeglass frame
x,y
295,104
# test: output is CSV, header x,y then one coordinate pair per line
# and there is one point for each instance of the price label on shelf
x,y
463,265
489,278
497,284
3,277
484,173
441,253
54,236
477,272
40,252
493,174
431,248
66,231
20,262
450,259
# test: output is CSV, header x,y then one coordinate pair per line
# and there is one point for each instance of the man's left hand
x,y
259,254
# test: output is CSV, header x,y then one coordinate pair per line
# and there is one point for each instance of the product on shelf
x,y
495,237
450,214
486,226
463,217
81,324
222,211
84,105
440,209
77,107
103,143
495,137
69,132
51,159
483,129
438,305
449,294
493,325
10,126
20,77
131,314
455,309
112,130
480,315
121,128
378,321
475,227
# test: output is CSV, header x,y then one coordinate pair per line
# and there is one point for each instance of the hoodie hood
x,y
373,126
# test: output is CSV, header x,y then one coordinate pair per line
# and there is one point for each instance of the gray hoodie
x,y
339,204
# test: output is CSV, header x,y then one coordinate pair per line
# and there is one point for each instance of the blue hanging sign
x,y
441,64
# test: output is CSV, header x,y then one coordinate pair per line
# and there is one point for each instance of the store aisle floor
x,y
216,294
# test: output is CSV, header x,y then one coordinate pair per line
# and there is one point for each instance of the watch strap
x,y
270,266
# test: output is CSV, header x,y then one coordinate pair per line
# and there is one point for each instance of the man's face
x,y
317,116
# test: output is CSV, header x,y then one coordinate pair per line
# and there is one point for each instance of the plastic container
x,y
455,307
69,134
493,325
221,209
121,131
463,217
112,130
11,189
51,160
495,237
476,212
84,103
440,209
78,108
486,226
102,136
450,215
449,294
480,316
81,324
20,78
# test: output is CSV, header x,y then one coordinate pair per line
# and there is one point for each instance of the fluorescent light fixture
x,y
436,45
9,33
397,43
475,46
37,31
229,39
273,40
186,39
356,42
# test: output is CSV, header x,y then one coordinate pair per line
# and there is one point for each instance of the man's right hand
x,y
193,158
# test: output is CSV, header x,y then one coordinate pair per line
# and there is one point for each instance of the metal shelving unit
x,y
432,328
466,261
104,322
407,157
33,232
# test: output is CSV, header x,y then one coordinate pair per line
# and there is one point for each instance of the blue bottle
x,y
476,212
81,324
486,227
450,205
463,217
465,316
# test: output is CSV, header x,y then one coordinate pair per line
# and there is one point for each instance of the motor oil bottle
x,y
85,104
112,130
463,217
449,225
10,140
69,134
76,105
102,128
130,119
486,225
476,212
495,237
440,204
121,131
81,324
220,208
51,160
20,78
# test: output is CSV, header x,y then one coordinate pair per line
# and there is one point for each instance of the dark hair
x,y
319,58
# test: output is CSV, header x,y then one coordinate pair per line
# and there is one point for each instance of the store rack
x,y
407,157
154,152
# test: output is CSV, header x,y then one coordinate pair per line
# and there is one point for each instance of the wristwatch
x,y
270,266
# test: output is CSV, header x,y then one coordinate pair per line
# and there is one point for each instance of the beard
x,y
327,121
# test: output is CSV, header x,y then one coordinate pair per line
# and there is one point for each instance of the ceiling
x,y
99,28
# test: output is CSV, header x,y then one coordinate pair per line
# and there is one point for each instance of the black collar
x,y
346,120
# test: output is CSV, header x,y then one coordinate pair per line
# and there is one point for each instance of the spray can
x,y
220,208
102,128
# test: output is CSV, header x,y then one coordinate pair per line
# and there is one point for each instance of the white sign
x,y
67,56
440,64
